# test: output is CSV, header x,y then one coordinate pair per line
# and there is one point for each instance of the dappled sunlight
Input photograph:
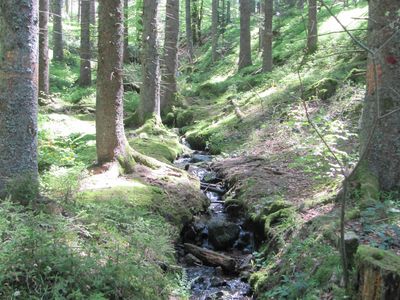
x,y
351,19
62,125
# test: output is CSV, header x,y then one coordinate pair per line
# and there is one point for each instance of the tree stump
x,y
378,274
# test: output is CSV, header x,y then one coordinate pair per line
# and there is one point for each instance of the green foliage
x,y
23,189
66,151
98,253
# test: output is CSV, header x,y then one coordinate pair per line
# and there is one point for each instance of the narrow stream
x,y
218,231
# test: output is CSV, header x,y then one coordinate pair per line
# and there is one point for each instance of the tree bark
x,y
170,54
245,37
195,14
43,48
150,90
267,47
382,159
58,50
189,33
85,78
312,38
110,136
261,30
18,91
126,32
228,11
93,12
214,31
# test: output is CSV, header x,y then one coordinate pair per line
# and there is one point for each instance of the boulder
x,y
223,234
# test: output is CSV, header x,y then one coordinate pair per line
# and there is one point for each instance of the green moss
x,y
322,89
368,185
385,260
165,151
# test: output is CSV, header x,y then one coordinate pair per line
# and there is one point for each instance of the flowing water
x,y
210,282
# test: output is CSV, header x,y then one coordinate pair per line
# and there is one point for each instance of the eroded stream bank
x,y
216,247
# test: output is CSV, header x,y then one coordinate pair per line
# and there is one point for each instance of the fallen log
x,y
212,258
212,188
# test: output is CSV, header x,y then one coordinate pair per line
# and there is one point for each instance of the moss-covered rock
x,y
322,89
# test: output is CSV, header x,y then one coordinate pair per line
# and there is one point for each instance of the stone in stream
x,y
196,158
223,234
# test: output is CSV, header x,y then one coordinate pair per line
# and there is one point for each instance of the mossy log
x,y
212,258
378,274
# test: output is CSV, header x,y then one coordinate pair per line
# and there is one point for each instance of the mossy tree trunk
x,y
110,137
312,37
18,90
58,44
43,48
380,124
245,36
267,47
150,91
170,61
85,78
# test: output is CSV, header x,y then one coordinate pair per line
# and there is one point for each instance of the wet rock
x,y
192,260
196,158
246,263
223,234
233,210
189,233
217,295
211,177
219,271
217,282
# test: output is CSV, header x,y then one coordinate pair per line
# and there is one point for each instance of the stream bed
x,y
216,247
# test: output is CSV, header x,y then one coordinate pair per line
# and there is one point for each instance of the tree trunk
x,y
228,11
110,137
58,50
312,37
150,90
214,30
195,14
170,54
189,34
93,12
79,10
43,48
245,37
199,21
382,160
18,91
222,23
261,30
126,32
85,78
267,47
67,7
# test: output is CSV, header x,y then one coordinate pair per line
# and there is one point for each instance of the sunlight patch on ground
x,y
268,92
348,18
108,179
64,125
